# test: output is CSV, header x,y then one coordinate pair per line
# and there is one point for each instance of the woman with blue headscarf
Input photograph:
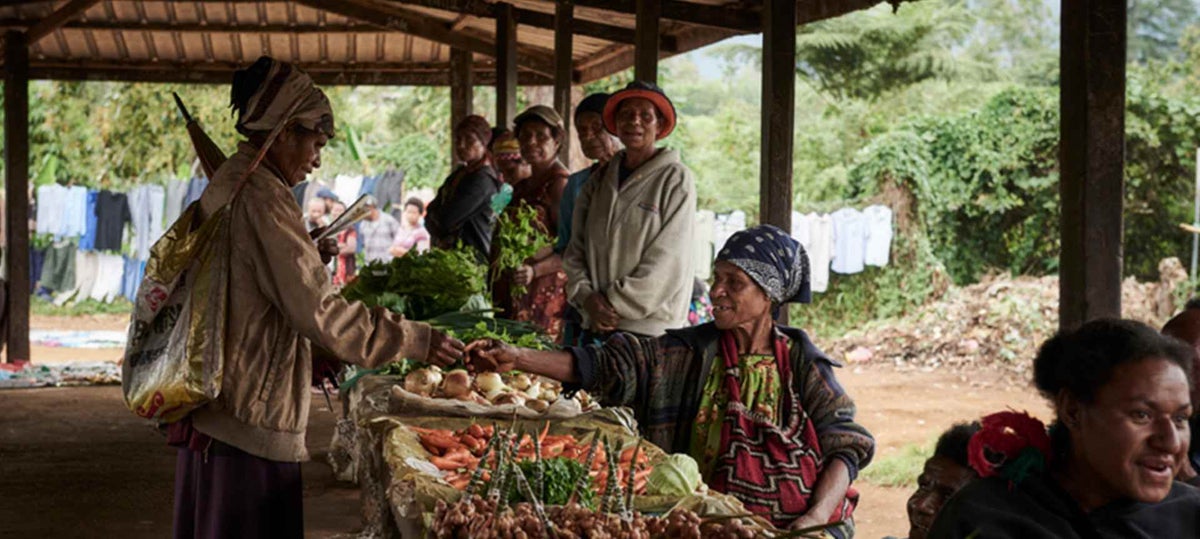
x,y
755,403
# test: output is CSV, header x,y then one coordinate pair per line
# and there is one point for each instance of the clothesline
x,y
844,241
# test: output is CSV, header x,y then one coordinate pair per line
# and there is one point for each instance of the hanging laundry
x,y
87,242
820,251
704,251
146,213
134,271
389,190
37,257
74,213
112,213
59,267
849,241
727,225
346,188
801,230
110,273
879,234
368,187
51,199
195,188
175,192
87,264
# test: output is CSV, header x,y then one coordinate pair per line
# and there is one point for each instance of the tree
x,y
1155,28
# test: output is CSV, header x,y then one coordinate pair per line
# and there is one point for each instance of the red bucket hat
x,y
643,90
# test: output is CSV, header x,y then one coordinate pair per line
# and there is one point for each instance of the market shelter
x,y
464,43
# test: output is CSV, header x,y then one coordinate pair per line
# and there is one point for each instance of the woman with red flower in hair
x,y
1106,468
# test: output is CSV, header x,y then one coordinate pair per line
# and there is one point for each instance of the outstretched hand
x,y
443,349
491,355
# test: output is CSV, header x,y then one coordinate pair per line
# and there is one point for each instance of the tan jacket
x,y
280,300
634,243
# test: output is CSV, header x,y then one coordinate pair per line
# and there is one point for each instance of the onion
x,y
533,392
495,392
549,394
520,382
489,382
456,384
539,406
509,398
422,382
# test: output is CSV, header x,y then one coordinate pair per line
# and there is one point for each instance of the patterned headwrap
x,y
772,259
287,94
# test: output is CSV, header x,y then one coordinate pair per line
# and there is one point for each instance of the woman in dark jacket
x,y
462,209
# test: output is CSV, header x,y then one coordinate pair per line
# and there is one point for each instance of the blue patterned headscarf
x,y
772,259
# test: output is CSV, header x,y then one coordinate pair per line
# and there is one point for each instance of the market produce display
x,y
489,388
518,237
557,461
478,517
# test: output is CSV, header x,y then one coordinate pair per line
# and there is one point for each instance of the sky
x,y
709,65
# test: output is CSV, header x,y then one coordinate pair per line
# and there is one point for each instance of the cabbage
x,y
678,475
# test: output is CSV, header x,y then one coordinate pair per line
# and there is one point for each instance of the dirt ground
x,y
75,463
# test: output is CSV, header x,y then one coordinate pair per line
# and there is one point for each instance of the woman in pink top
x,y
411,235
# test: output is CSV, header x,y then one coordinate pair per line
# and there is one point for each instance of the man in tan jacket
x,y
238,472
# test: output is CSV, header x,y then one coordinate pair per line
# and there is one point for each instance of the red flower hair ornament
x,y
1011,444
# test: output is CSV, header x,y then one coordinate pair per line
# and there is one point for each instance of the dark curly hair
x,y
952,444
1082,360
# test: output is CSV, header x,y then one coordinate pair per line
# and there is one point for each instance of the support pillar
x,y
564,16
16,191
778,112
1091,159
778,116
645,40
462,90
506,65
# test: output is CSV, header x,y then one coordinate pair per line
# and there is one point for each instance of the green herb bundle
x,y
420,286
560,476
518,237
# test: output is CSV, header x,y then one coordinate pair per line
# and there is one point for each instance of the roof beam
x,y
327,74
53,21
401,20
740,19
538,19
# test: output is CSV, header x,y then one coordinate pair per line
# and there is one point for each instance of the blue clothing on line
x,y
88,241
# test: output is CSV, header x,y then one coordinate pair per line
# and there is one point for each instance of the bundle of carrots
x,y
458,452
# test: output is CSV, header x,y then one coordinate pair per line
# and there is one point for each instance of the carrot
x,y
439,442
460,482
475,430
444,463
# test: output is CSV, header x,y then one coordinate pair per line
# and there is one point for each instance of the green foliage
x,y
420,286
87,307
1156,26
913,277
559,479
518,236
900,469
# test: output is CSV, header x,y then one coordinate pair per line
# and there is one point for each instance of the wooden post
x,y
778,116
506,65
462,90
1091,159
564,15
16,191
645,40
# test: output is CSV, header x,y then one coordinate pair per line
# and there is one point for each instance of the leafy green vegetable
x,y
420,286
678,475
561,474
518,237
471,326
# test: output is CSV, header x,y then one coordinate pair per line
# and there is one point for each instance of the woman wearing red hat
x,y
540,133
629,262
